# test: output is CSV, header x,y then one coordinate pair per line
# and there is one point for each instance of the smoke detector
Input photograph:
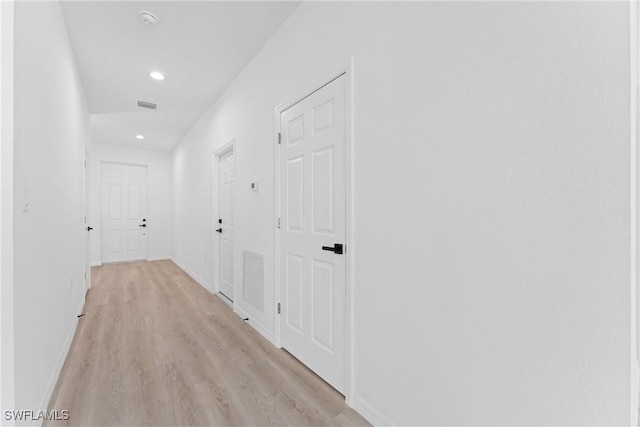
x,y
148,18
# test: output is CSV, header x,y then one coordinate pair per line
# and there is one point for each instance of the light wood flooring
x,y
155,348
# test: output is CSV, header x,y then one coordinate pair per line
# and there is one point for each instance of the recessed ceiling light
x,y
156,75
139,136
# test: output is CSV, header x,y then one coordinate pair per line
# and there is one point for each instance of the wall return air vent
x,y
149,105
253,279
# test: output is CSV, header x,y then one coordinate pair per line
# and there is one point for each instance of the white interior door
x,y
313,222
124,212
226,222
87,224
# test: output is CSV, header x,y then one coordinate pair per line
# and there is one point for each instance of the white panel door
x,y
226,226
87,226
124,212
313,216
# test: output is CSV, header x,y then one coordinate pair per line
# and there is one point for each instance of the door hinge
x,y
85,275
279,138
278,223
278,308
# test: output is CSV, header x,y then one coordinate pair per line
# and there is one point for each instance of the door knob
x,y
142,225
219,230
337,248
89,228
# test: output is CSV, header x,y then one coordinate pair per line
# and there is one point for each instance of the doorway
x,y
313,182
225,224
124,212
87,222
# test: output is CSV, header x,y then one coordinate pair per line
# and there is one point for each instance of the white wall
x,y
191,241
491,202
158,194
51,126
7,389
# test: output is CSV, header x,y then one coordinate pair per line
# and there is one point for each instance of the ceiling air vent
x,y
149,105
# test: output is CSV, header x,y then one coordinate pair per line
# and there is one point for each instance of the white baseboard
x,y
264,331
53,379
635,392
192,275
157,258
372,415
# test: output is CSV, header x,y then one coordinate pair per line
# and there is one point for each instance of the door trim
x,y
215,199
345,68
634,195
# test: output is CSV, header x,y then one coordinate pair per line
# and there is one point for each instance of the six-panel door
x,y
124,212
227,191
313,216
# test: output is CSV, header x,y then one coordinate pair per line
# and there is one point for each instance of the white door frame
x,y
634,53
215,262
346,69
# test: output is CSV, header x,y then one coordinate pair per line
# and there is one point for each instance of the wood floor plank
x,y
155,348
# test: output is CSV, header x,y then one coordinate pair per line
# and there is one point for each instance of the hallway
x,y
433,205
155,348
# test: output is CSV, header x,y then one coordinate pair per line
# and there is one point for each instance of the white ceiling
x,y
199,46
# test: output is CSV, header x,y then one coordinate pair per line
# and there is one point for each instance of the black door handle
x,y
219,230
337,248
142,225
89,228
